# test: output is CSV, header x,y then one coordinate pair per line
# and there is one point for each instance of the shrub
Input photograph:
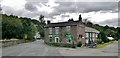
x,y
79,44
116,38
102,36
73,45
99,41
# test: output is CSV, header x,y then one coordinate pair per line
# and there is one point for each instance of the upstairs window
x,y
56,30
87,35
68,28
50,30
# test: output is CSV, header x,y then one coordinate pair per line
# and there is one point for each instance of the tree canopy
x,y
20,27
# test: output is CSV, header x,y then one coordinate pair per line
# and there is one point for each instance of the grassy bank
x,y
13,39
104,44
11,42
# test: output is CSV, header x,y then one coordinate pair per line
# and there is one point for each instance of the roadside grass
x,y
104,44
119,40
12,39
2,46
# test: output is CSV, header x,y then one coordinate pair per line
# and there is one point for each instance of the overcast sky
x,y
103,12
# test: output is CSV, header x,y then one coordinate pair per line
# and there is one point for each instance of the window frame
x,y
56,30
50,30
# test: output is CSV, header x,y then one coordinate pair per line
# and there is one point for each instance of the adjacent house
x,y
91,35
67,32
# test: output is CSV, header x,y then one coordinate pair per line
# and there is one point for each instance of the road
x,y
38,48
109,50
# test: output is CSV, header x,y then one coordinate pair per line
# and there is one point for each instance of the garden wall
x,y
11,42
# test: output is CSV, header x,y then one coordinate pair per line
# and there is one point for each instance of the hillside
x,y
20,27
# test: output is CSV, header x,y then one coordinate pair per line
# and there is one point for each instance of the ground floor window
x,y
87,41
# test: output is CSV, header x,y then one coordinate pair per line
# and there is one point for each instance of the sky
x,y
103,12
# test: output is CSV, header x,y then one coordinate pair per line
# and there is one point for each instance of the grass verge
x,y
104,44
26,41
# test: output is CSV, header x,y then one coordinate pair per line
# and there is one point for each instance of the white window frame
x,y
50,36
90,35
56,30
56,40
87,35
50,30
93,34
96,35
68,28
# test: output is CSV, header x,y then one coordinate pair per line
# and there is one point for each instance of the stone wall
x,y
12,42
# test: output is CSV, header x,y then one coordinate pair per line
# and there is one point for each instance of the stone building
x,y
67,32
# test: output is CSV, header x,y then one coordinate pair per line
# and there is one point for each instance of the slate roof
x,y
88,29
60,24
71,23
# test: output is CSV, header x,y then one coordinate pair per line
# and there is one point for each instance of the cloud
x,y
87,0
30,7
113,22
14,4
7,9
85,6
100,17
82,7
37,0
61,11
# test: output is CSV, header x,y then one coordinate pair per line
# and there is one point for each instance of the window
x,y
87,35
90,35
56,30
96,35
50,30
68,28
93,34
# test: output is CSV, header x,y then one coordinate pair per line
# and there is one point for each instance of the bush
x,y
116,38
99,41
67,45
79,44
102,36
73,45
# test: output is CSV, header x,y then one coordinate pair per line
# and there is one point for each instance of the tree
x,y
29,28
11,27
117,35
102,36
89,24
40,27
14,27
41,18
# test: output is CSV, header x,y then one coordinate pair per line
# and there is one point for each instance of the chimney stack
x,y
71,19
80,18
48,21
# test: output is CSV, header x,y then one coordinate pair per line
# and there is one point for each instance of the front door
x,y
56,39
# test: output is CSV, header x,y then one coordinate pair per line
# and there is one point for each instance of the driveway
x,y
38,48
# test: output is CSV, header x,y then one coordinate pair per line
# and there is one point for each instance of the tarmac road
x,y
38,48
